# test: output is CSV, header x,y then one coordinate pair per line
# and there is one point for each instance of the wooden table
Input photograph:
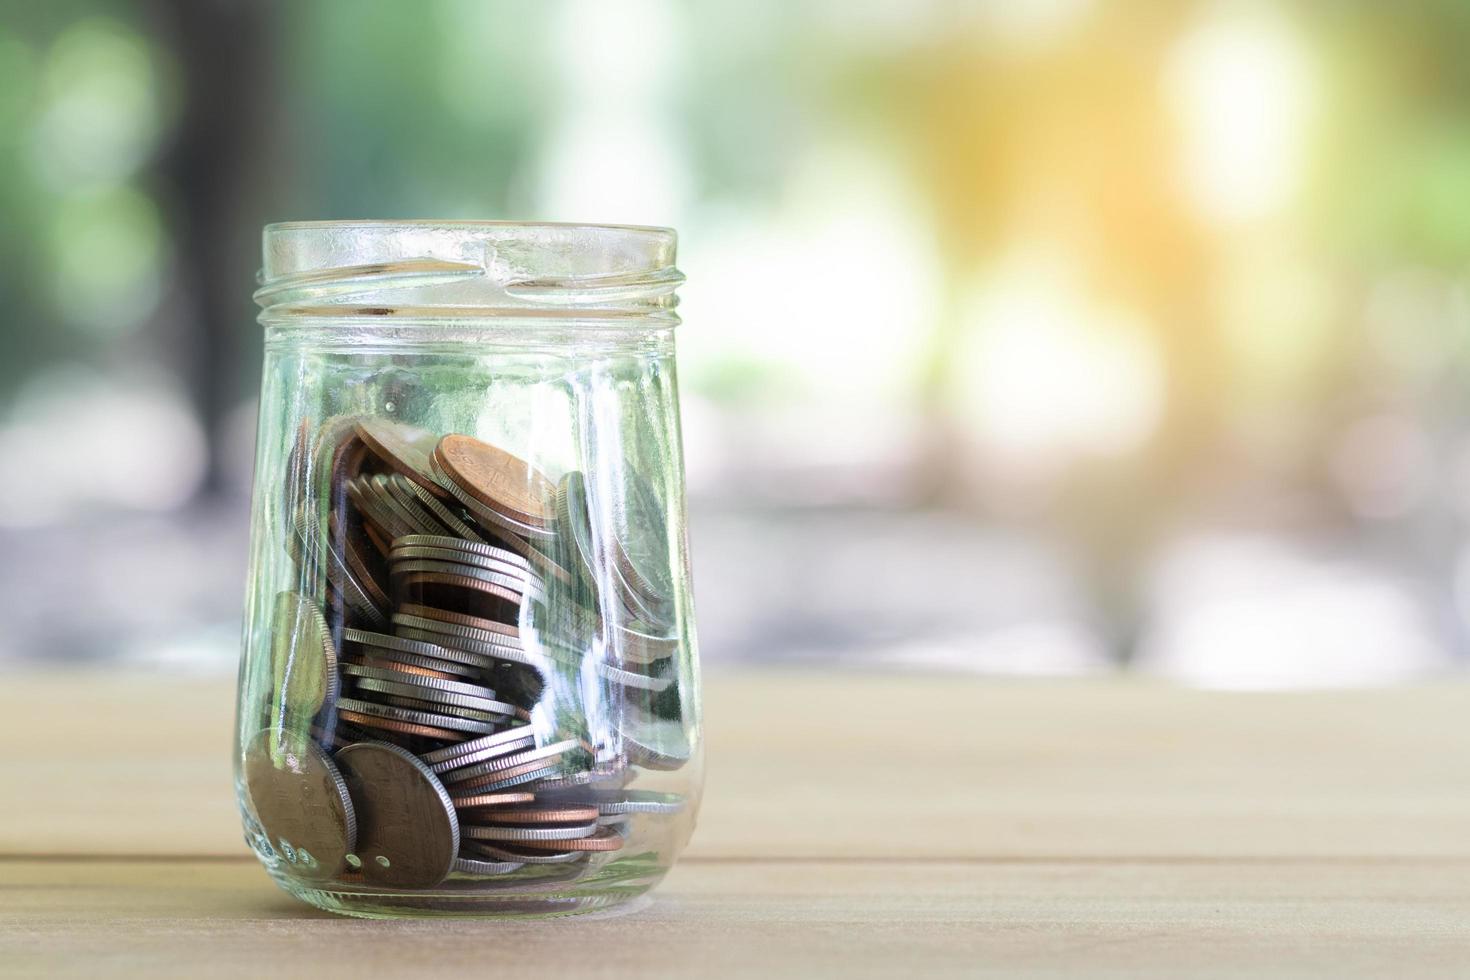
x,y
853,826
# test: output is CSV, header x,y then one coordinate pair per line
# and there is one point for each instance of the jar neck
x,y
611,277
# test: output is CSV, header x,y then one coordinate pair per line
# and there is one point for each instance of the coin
x,y
447,633
436,696
405,448
406,516
519,761
571,508
483,773
446,619
303,807
509,737
491,800
523,835
418,680
641,542
603,839
412,717
467,548
337,572
408,664
629,678
408,831
505,780
382,641
399,727
510,852
506,484
412,585
303,662
439,510
470,866
518,585
639,643
640,801
545,814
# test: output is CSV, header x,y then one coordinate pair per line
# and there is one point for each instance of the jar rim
x,y
328,223
495,267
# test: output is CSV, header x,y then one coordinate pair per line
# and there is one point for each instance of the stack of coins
x,y
430,710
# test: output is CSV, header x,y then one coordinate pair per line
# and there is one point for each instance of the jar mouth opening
x,y
489,267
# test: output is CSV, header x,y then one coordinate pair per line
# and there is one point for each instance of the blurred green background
x,y
1025,336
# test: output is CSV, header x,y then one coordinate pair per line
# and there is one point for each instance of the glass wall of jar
x,y
469,681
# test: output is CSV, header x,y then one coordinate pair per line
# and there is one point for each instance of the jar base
x,y
511,903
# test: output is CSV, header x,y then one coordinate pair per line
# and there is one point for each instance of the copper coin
x,y
492,800
545,814
400,727
459,619
405,448
303,807
407,669
504,483
605,839
499,739
408,831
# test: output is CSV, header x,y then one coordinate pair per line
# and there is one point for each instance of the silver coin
x,y
410,660
303,661
419,680
502,762
497,718
509,781
446,632
640,801
408,827
532,582
308,531
571,509
519,585
471,866
480,755
360,492
639,643
384,493
435,695
441,513
511,834
413,717
628,678
396,485
486,652
453,752
544,857
474,547
418,647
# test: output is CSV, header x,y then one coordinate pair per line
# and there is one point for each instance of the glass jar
x,y
469,682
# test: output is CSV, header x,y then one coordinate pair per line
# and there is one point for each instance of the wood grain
x,y
853,825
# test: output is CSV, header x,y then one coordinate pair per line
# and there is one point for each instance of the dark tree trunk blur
x,y
214,173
